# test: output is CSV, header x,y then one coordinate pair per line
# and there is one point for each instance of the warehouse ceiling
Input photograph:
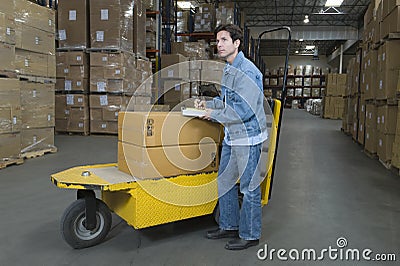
x,y
328,27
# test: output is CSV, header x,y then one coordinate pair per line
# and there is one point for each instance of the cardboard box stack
x,y
204,19
148,150
139,28
35,40
175,77
100,83
353,122
10,102
225,13
182,21
333,101
396,144
151,29
72,113
10,120
35,61
73,72
377,117
386,128
73,24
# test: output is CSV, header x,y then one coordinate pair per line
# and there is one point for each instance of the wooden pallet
x,y
380,102
72,133
8,74
109,50
392,36
10,161
395,170
36,79
370,154
38,153
387,164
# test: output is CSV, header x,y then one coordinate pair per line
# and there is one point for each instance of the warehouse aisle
x,y
324,188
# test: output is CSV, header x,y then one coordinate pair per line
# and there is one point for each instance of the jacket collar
x,y
238,60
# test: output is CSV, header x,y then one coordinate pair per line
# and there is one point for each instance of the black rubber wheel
x,y
73,229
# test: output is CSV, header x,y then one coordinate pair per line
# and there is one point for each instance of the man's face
x,y
227,49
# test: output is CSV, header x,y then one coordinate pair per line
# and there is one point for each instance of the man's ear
x,y
237,43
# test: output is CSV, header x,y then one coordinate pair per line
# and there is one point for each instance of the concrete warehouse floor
x,y
325,187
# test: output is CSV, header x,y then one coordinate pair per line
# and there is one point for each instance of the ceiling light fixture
x,y
184,5
330,11
300,40
306,20
310,47
297,51
333,3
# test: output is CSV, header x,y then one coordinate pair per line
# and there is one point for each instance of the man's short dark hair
x,y
235,32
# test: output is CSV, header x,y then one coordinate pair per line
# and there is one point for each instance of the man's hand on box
x,y
207,116
199,104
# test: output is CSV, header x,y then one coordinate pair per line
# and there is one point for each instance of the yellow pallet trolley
x,y
87,221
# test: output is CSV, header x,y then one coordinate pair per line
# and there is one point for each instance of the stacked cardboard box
x,y
111,24
139,28
182,21
72,113
193,50
73,24
104,111
37,116
10,119
225,13
113,72
204,19
396,144
386,128
149,148
34,39
151,29
72,72
370,144
35,60
333,101
388,69
175,75
390,18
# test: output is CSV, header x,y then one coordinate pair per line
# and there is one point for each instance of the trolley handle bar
x,y
283,96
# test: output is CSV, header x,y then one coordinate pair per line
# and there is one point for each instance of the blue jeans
x,y
240,162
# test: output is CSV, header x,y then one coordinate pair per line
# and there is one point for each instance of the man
x,y
240,110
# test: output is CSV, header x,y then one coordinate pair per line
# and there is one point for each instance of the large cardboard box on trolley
x,y
165,129
162,144
166,161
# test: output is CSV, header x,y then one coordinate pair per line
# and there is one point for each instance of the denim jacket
x,y
240,106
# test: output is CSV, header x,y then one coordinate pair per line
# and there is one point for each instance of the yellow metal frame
x,y
140,209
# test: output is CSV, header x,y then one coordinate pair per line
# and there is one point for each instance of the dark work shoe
x,y
220,233
239,244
